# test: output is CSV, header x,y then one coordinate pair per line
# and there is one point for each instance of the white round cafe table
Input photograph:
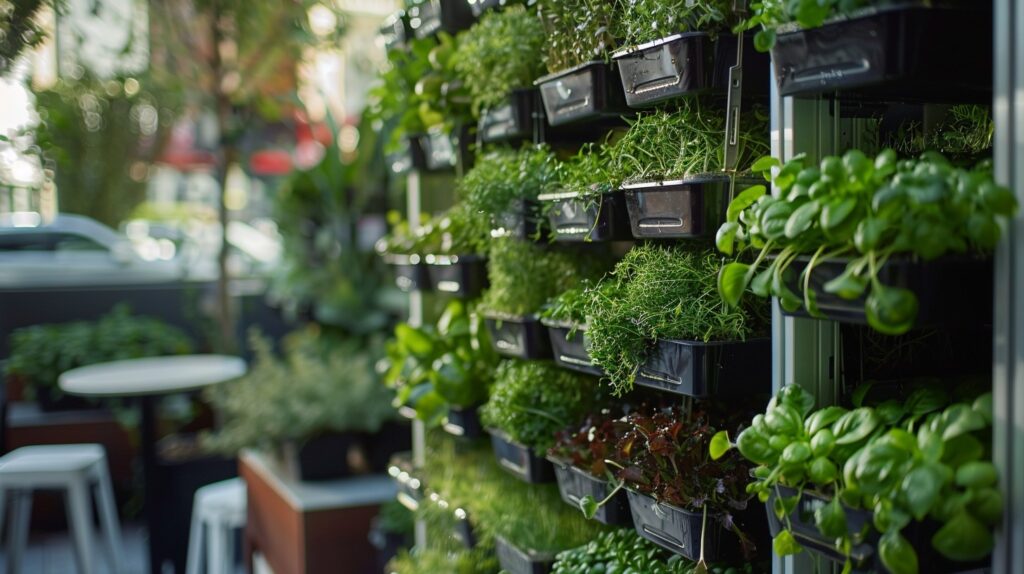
x,y
148,379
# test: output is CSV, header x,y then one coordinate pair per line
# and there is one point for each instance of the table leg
x,y
150,476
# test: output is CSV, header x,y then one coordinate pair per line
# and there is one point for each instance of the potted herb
x,y
877,487
497,61
40,353
582,84
672,170
306,407
683,47
565,316
586,205
530,402
623,550
892,244
876,50
661,326
443,372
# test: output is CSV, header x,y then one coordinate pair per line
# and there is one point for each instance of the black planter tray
x,y
859,523
396,30
688,64
520,460
518,337
462,275
906,52
574,219
569,347
716,368
689,208
953,290
522,222
574,484
512,120
679,530
432,16
481,6
463,422
589,92
410,272
463,530
516,561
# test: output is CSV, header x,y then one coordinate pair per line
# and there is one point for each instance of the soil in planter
x,y
587,219
574,484
570,350
587,93
696,369
519,337
516,561
520,460
694,208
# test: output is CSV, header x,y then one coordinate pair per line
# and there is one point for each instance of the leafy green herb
x,y
648,20
769,14
578,31
455,232
623,550
966,132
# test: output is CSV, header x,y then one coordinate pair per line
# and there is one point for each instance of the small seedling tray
x,y
577,219
951,291
691,208
461,275
859,523
432,16
396,31
519,337
569,347
516,561
463,422
512,120
574,484
679,530
906,52
410,272
701,370
589,92
520,460
687,64
521,222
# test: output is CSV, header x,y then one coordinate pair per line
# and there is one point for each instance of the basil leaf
x,y
848,285
963,538
797,397
831,519
802,218
855,425
897,554
921,488
891,310
823,418
977,474
720,445
725,239
754,447
785,545
987,505
822,471
745,199
732,282
926,400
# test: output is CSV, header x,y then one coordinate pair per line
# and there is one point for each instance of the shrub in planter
x,y
660,293
566,319
649,20
578,31
623,550
322,387
40,353
437,366
862,213
904,461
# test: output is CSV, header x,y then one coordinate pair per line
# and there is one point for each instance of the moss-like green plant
x,y
499,54
964,134
648,20
589,173
578,31
662,292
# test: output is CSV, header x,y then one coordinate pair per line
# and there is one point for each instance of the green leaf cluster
x,y
770,14
965,133
861,208
499,54
454,232
623,550
532,400
904,461
661,292
588,173
40,353
434,366
578,31
648,20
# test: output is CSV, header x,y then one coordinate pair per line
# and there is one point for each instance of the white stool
x,y
220,508
75,469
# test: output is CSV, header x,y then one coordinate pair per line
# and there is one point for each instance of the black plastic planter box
x,y
954,290
463,529
410,273
519,337
859,523
463,422
589,92
462,275
522,222
691,208
904,53
480,6
698,369
679,530
688,64
574,484
512,120
324,457
432,16
516,561
587,219
520,460
569,347
396,30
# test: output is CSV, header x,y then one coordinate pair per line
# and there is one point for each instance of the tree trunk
x,y
228,157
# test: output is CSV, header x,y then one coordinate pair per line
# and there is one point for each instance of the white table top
x,y
151,376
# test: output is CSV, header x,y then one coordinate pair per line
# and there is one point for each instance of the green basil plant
x,y
919,459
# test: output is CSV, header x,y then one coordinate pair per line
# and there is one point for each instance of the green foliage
x,y
588,173
687,142
571,306
966,132
322,384
648,20
396,519
433,366
454,232
578,31
864,209
40,353
532,400
499,54
661,292
769,14
523,275
911,460
420,560
623,550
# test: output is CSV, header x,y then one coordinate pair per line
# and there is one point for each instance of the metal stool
x,y
220,508
75,469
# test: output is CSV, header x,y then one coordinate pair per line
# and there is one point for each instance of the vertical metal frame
x,y
419,432
1008,339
